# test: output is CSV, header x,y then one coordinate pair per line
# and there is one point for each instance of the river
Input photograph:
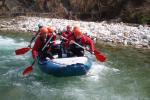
x,y
124,76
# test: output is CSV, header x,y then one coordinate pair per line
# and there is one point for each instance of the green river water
x,y
124,76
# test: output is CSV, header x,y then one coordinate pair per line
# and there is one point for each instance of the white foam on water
x,y
14,57
8,46
6,42
17,84
99,71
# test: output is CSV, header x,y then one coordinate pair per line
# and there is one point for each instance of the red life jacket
x,y
83,41
67,34
39,44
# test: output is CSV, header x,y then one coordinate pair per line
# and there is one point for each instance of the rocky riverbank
x,y
115,33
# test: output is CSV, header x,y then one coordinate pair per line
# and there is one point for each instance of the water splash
x,y
99,70
11,44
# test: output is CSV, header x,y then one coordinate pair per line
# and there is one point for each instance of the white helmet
x,y
40,25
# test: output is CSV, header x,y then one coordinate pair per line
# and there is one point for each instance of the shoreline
x,y
115,34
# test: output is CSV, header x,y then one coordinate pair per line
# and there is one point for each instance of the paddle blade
x,y
100,57
22,51
27,70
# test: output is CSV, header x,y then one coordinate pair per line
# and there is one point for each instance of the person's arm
x,y
35,48
67,43
88,41
70,34
63,36
54,39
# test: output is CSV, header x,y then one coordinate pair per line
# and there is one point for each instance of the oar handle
x,y
47,42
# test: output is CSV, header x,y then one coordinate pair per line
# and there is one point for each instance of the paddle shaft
x,y
76,44
33,63
34,38
47,42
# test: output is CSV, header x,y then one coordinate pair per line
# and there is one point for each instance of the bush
x,y
144,19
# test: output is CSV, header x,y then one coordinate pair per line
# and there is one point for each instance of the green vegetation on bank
x,y
144,19
137,18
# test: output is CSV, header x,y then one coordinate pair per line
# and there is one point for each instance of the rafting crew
x,y
45,45
73,43
77,42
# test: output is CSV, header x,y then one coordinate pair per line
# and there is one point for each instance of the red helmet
x,y
76,28
77,31
50,30
43,30
68,27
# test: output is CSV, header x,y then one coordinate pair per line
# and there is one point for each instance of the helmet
x,y
77,31
50,30
43,30
68,27
40,25
76,28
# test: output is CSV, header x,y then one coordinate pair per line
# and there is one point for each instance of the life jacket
x,y
79,42
66,34
88,42
85,41
43,43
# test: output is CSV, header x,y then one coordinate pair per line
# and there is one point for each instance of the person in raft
x,y
63,36
67,33
51,48
36,35
77,42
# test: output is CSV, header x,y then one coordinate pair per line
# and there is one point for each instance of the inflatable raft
x,y
62,67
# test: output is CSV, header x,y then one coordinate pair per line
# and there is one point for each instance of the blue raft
x,y
62,67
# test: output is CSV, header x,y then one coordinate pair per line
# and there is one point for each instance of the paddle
x,y
97,54
22,51
30,68
26,49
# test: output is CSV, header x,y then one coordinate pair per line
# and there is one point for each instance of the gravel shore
x,y
115,33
